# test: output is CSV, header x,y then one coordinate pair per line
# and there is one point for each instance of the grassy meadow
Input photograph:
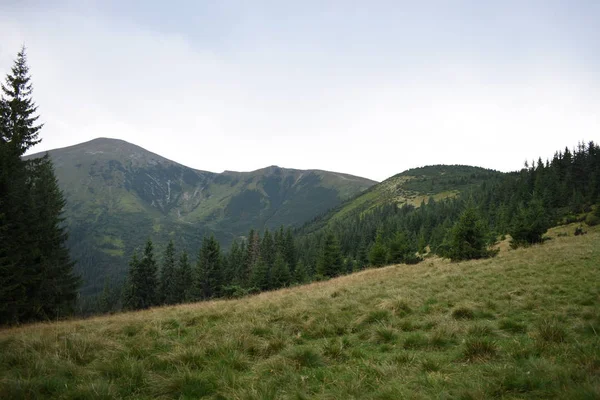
x,y
525,324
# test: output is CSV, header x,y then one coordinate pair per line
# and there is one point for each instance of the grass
x,y
525,324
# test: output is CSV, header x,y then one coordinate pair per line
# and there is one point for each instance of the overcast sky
x,y
369,88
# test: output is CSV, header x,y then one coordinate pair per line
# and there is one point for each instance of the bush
x,y
579,231
592,220
463,313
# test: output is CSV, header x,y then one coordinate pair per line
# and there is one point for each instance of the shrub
x,y
592,220
463,313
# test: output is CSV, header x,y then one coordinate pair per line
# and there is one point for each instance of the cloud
x,y
259,103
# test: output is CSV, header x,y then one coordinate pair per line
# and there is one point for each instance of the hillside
x,y
522,325
412,187
119,194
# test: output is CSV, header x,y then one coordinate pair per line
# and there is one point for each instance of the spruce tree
x,y
184,279
168,283
267,249
280,274
56,291
289,249
330,262
261,278
251,257
142,284
208,269
468,237
132,294
379,253
36,273
301,273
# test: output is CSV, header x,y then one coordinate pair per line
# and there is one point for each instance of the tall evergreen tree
x,y
379,253
208,269
267,249
468,237
251,257
36,273
168,283
261,276
142,284
56,292
280,274
184,279
330,262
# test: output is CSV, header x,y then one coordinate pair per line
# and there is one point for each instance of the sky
x,y
370,88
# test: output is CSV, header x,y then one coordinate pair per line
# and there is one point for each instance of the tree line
x,y
523,204
37,281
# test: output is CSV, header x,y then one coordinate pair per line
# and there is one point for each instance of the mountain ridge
x,y
119,194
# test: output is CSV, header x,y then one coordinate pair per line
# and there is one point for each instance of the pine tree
x,y
232,273
132,297
530,224
330,262
280,274
379,253
468,237
261,276
267,249
251,257
289,249
399,248
141,287
19,131
301,273
208,269
56,291
184,279
168,283
36,273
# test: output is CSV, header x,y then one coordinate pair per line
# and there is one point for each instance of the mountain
x,y
411,187
119,194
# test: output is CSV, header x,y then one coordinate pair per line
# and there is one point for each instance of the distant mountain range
x,y
119,194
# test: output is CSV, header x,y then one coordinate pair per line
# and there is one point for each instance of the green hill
x,y
412,187
523,325
119,194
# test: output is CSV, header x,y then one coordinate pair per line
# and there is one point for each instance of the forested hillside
x,y
465,225
118,195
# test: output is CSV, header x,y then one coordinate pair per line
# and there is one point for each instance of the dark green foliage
x,y
468,237
400,248
184,279
378,254
261,276
301,273
208,269
530,224
36,272
330,260
141,289
168,281
280,274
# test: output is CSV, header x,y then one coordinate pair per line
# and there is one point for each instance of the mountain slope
x,y
119,194
412,187
522,325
